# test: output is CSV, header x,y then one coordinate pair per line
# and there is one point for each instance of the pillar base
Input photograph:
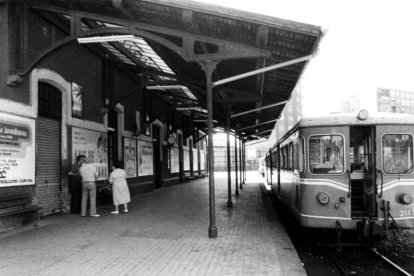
x,y
230,204
212,232
241,186
237,192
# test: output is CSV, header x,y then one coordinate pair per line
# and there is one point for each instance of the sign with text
x,y
145,157
202,160
186,153
195,160
130,157
175,160
17,151
93,145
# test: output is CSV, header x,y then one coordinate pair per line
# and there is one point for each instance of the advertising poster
x,y
77,107
93,145
202,160
145,163
17,151
186,153
195,160
130,157
175,160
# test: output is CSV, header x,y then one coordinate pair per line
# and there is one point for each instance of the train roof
x,y
380,118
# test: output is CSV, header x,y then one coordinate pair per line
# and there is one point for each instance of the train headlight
x,y
322,198
406,198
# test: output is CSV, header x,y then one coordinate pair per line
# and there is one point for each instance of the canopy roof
x,y
171,39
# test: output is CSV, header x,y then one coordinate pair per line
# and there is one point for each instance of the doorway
x,y
48,149
363,172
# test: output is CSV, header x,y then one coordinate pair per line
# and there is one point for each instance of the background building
x,y
396,101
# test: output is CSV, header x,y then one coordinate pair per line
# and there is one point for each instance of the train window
x,y
326,154
275,161
281,158
290,157
286,157
397,152
301,154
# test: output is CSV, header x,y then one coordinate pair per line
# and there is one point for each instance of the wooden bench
x,y
17,204
188,176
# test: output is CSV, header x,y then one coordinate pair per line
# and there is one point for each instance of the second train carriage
x,y
346,170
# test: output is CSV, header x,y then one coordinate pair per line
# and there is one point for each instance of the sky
x,y
366,45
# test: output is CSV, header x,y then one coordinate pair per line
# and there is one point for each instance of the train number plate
x,y
406,212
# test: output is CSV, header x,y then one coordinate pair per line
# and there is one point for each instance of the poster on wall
x,y
77,107
145,163
130,157
186,153
93,145
17,151
175,160
195,160
202,160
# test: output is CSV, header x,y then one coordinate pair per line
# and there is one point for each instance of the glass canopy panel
x,y
140,48
117,53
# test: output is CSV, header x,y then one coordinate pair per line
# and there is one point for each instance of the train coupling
x,y
369,228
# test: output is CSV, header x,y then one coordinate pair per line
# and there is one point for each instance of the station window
x,y
326,154
397,152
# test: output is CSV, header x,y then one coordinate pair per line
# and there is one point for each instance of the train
x,y
346,171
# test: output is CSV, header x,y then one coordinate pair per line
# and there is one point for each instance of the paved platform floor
x,y
165,233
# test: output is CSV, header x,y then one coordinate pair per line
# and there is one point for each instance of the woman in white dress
x,y
120,191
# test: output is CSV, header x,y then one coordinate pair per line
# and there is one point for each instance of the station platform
x,y
164,233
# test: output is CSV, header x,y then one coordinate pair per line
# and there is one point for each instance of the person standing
x,y
75,185
120,191
89,176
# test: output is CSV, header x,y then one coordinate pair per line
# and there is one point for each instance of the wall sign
x,y
186,153
77,106
93,145
17,151
202,160
175,160
195,159
130,157
145,158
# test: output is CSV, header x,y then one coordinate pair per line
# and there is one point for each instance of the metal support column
x,y
229,202
208,68
240,163
244,162
235,163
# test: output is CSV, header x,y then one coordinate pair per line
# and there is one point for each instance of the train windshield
x,y
326,154
397,151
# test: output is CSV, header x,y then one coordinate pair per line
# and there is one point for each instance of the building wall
x,y
290,115
394,100
104,86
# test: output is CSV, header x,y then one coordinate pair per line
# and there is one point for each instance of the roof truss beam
x,y
256,109
256,125
263,70
226,49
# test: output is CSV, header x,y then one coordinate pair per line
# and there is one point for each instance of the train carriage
x,y
346,170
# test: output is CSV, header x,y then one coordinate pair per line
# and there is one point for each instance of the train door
x,y
363,171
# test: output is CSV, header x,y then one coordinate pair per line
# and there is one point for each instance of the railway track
x,y
362,260
318,251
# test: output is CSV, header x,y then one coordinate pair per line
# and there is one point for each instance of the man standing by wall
x,y
89,175
76,185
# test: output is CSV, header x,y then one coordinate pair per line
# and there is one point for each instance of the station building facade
x,y
75,101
